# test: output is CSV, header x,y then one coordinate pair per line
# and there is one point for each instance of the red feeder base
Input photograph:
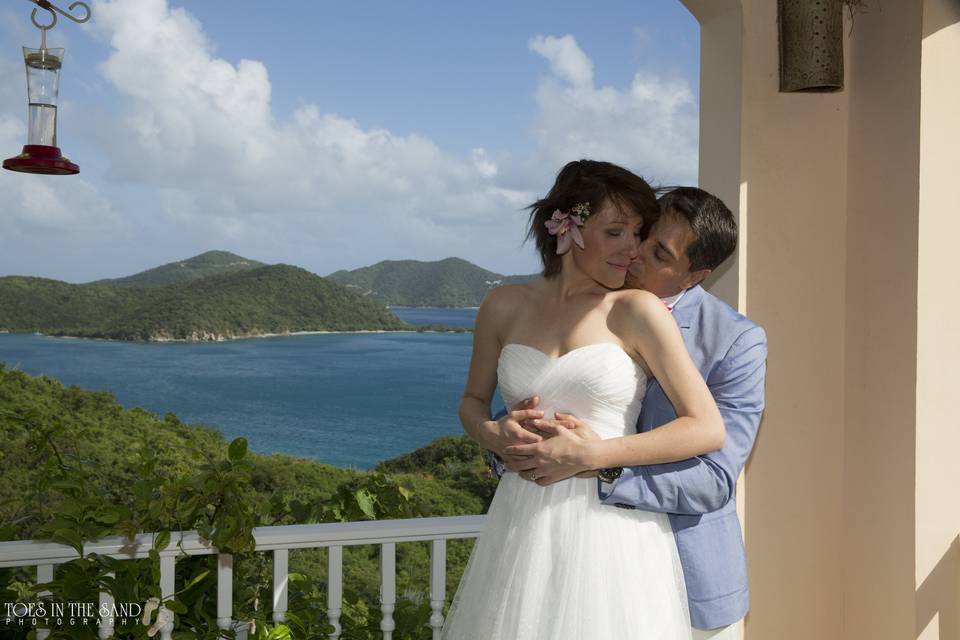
x,y
38,158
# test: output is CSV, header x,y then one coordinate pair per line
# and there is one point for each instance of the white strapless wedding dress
x,y
552,563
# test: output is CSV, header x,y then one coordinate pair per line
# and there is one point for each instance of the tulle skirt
x,y
552,563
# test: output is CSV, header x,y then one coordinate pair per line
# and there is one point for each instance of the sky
x,y
334,135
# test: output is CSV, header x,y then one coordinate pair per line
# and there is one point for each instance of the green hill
x,y
452,282
274,299
269,299
41,304
206,264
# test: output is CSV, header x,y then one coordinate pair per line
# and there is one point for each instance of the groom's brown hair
x,y
714,225
593,182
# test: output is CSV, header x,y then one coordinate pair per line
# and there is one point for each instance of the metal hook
x,y
86,11
33,19
46,4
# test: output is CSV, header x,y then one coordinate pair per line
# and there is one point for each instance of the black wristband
x,y
611,474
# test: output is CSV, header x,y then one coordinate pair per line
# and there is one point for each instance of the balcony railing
x,y
278,540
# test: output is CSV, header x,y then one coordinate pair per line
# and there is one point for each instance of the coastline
x,y
220,338
417,324
444,308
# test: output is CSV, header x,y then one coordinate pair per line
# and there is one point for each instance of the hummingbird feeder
x,y
41,153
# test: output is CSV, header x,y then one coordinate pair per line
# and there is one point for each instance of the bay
x,y
343,399
450,317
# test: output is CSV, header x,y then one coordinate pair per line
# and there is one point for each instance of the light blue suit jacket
x,y
699,493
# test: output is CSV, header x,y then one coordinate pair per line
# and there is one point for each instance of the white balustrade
x,y
44,574
224,590
438,584
46,555
105,630
388,588
168,574
335,588
281,580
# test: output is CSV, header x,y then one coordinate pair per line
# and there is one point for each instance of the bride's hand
x,y
513,427
570,421
548,428
562,454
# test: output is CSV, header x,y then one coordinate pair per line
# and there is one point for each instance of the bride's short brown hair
x,y
593,182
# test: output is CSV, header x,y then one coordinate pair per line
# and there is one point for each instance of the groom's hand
x,y
588,434
561,455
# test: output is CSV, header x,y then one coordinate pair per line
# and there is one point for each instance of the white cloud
x,y
483,164
567,61
650,126
201,123
197,155
196,158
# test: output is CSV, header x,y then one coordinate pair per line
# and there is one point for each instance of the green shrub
x,y
75,466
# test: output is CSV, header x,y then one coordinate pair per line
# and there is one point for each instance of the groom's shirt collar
x,y
671,301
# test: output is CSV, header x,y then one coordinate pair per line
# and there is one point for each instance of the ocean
x,y
348,399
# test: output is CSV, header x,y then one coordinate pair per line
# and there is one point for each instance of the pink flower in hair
x,y
565,226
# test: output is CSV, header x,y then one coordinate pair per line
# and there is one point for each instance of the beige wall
x,y
720,87
880,435
937,571
852,498
792,167
789,191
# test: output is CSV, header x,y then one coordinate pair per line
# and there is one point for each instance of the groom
x,y
694,235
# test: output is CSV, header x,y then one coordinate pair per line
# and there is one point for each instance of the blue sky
x,y
334,135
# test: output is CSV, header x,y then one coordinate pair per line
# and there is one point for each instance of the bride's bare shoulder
x,y
633,309
636,301
504,301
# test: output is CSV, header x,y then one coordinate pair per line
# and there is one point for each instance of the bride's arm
x,y
647,328
494,435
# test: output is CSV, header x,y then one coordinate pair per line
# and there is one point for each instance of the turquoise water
x,y
343,399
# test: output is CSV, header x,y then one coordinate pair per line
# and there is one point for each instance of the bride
x,y
551,562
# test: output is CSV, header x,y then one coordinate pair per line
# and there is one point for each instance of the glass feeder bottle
x,y
41,153
43,84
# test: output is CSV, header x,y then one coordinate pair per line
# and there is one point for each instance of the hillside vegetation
x,y
249,302
452,282
210,263
76,466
